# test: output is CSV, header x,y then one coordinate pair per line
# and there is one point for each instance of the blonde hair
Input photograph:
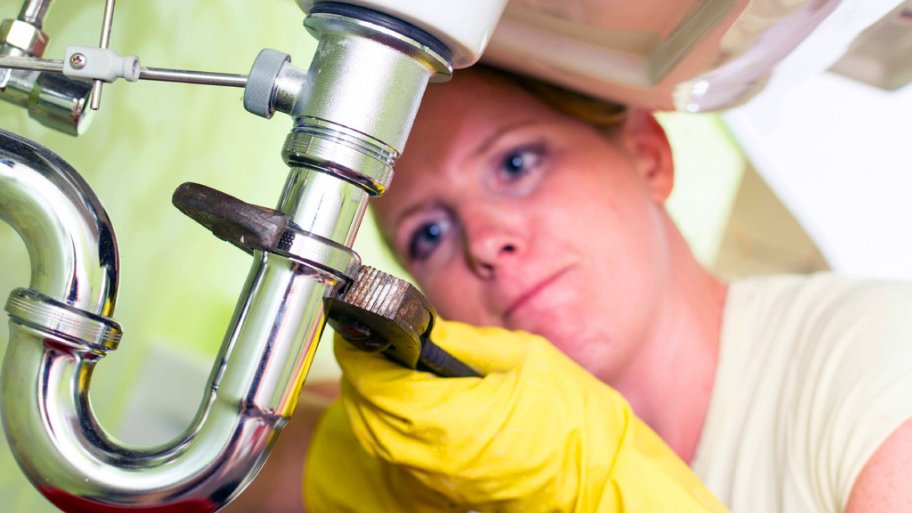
x,y
602,114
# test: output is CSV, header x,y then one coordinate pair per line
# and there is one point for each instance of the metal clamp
x,y
89,63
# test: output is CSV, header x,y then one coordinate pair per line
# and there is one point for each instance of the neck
x,y
670,383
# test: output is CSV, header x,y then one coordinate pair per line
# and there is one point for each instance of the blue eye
x,y
519,162
426,238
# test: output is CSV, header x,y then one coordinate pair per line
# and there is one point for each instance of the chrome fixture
x,y
352,113
52,99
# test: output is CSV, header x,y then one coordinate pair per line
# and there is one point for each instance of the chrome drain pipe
x,y
353,109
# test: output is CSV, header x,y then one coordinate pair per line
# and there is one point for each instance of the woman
x,y
512,207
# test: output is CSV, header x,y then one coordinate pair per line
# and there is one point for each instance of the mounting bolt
x,y
77,61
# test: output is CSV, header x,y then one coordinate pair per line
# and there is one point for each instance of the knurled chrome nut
x,y
23,36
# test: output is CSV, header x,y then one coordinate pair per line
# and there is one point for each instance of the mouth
x,y
532,292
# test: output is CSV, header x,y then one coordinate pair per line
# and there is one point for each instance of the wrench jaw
x,y
380,312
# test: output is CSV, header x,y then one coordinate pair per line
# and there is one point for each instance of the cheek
x,y
615,237
603,210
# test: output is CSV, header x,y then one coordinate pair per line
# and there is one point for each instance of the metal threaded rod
x,y
31,63
157,74
193,77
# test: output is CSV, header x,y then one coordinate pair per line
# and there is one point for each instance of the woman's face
x,y
509,213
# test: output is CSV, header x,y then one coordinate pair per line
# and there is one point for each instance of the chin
x,y
592,351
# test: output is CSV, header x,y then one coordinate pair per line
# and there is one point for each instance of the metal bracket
x,y
89,63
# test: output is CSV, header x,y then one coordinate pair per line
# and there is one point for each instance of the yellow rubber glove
x,y
537,433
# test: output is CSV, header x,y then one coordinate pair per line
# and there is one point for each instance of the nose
x,y
491,242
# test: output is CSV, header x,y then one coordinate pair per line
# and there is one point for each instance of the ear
x,y
646,142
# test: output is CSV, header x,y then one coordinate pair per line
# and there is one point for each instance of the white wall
x,y
839,154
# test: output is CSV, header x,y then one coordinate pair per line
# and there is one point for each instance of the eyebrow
x,y
500,132
413,209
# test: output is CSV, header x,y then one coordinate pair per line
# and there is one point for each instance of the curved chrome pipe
x,y
69,238
61,326
60,330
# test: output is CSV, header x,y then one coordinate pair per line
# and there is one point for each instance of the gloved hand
x,y
537,433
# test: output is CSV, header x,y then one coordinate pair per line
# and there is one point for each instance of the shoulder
x,y
883,486
836,353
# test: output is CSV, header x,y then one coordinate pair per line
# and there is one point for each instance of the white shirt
x,y
814,374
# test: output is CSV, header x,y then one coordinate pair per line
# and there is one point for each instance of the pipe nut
x,y
345,153
23,36
83,330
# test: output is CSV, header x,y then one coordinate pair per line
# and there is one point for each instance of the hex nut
x,y
24,36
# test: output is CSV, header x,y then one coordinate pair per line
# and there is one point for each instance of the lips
x,y
529,294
